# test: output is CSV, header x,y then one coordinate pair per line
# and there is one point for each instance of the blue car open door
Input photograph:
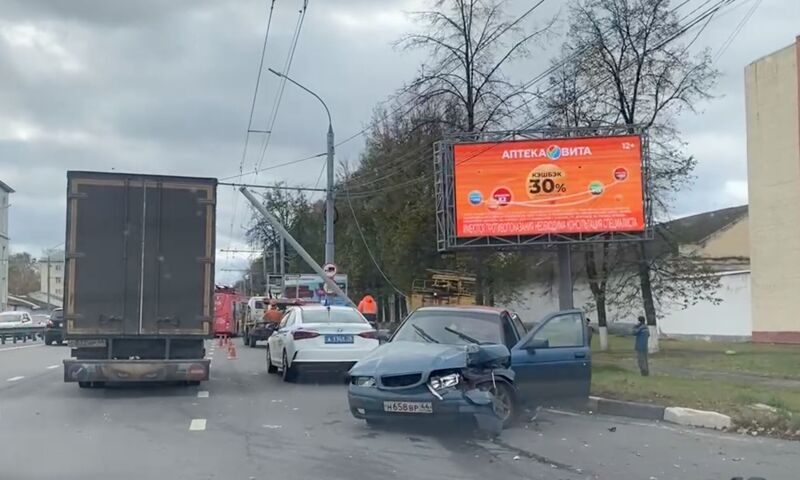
x,y
553,360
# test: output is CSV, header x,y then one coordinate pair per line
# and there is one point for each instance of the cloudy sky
x,y
165,87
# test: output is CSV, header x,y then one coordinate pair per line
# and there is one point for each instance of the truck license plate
x,y
408,407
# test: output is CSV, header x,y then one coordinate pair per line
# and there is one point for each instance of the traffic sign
x,y
329,269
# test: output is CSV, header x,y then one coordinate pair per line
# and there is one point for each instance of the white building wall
x,y
730,318
772,94
56,274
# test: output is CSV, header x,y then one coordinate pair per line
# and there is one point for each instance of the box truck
x,y
139,277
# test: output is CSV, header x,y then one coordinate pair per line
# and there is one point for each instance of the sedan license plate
x,y
408,407
338,339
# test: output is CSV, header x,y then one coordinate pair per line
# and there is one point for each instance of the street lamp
x,y
329,189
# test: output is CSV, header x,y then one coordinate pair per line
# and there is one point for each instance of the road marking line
x,y
202,394
20,348
14,379
197,424
53,366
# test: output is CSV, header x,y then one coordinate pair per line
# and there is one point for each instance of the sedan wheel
x,y
270,367
504,404
289,373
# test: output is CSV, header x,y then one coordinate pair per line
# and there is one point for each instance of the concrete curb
x,y
621,408
646,411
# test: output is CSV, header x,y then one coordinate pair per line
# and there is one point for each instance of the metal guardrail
x,y
21,334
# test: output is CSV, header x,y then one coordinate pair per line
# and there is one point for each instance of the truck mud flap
x,y
135,370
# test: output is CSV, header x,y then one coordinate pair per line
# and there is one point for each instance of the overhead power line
x,y
282,85
252,111
366,246
728,41
273,167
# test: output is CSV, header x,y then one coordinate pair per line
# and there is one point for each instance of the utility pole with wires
x,y
329,194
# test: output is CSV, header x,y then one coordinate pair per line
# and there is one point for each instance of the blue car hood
x,y
398,358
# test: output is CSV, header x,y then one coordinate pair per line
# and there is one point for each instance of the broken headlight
x,y
442,382
363,381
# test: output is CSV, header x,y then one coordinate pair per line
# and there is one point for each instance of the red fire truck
x,y
229,306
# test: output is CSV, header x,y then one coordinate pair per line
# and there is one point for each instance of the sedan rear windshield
x,y
336,315
442,326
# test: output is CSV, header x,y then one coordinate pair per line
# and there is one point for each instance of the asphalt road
x,y
246,424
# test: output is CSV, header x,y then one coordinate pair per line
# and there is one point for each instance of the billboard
x,y
548,186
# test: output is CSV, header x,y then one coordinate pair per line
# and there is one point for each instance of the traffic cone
x,y
219,341
231,351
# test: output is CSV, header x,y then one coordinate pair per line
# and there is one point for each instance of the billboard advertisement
x,y
550,186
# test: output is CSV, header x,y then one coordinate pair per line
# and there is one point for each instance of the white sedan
x,y
316,337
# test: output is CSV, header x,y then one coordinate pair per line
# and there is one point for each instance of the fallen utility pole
x,y
298,248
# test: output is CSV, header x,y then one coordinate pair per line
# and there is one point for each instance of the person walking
x,y
642,334
369,309
589,332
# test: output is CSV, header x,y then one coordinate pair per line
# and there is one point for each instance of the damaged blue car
x,y
476,362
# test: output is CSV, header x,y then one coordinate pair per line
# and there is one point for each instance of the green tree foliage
x,y
23,276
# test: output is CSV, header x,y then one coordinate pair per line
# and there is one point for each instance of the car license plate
x,y
338,339
408,407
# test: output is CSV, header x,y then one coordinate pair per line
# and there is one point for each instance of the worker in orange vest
x,y
369,309
273,314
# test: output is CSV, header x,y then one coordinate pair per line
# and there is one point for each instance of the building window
x,y
58,267
59,292
58,280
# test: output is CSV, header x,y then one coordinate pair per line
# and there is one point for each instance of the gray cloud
x,y
165,87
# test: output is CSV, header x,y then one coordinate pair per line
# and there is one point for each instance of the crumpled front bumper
x,y
368,403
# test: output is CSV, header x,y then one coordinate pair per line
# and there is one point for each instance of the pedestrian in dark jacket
x,y
589,332
642,334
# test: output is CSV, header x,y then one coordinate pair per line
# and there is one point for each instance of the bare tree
x,y
568,103
469,43
638,71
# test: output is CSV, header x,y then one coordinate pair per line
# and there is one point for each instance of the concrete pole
x,y
49,305
329,210
294,244
329,205
565,300
283,257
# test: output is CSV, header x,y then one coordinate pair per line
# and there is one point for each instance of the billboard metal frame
x,y
444,188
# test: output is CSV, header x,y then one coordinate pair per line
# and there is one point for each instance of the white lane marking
x,y
20,348
51,367
197,424
14,379
202,394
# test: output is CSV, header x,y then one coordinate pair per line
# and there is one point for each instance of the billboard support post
x,y
565,287
295,244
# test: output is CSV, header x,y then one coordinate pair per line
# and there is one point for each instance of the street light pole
x,y
329,198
